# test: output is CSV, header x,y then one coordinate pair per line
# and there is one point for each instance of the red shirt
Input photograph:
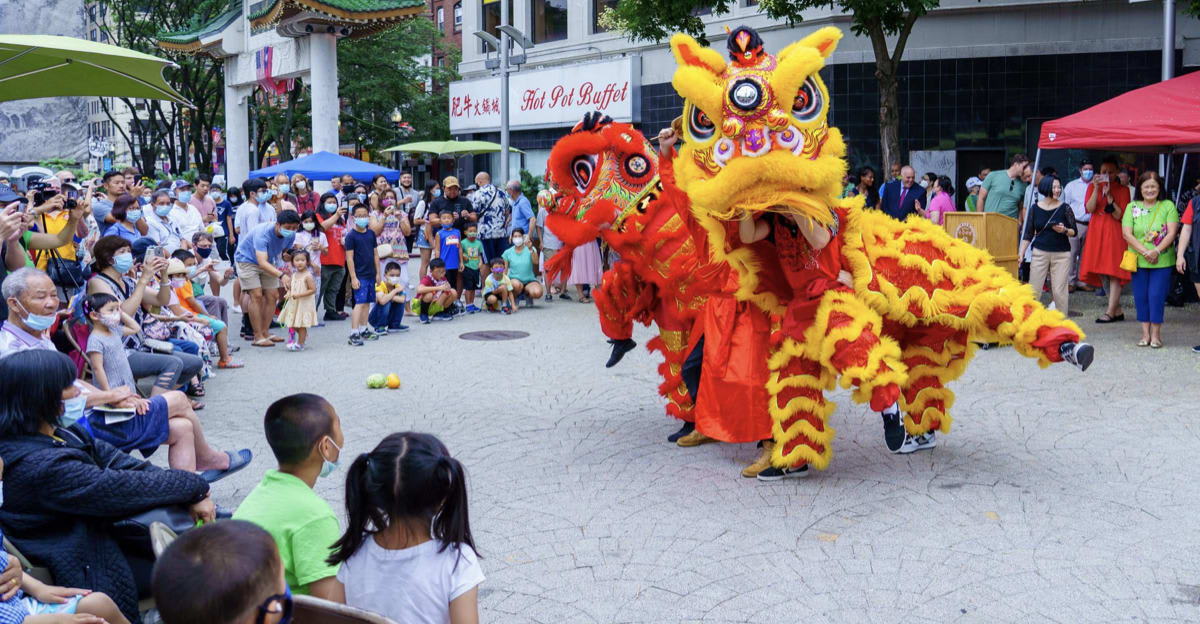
x,y
336,254
307,202
1187,214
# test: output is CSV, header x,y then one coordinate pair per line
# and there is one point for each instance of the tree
x,y
878,20
282,120
156,124
378,75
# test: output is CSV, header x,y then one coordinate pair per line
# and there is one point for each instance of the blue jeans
x,y
1150,288
390,314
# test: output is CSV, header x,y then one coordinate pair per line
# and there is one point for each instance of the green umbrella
x,y
37,66
451,148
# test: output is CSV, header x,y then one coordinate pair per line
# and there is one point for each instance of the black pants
x,y
341,293
691,369
223,247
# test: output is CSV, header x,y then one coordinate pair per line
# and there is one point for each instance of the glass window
x,y
92,12
549,20
103,37
491,19
751,2
457,16
441,18
598,9
93,34
103,10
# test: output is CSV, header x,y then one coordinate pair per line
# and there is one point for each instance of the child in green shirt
x,y
305,434
472,255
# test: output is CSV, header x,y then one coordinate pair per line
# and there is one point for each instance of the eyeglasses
x,y
279,603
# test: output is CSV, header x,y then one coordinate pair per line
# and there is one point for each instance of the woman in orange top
x,y
1100,264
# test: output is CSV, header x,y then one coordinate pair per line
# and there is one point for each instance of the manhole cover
x,y
498,334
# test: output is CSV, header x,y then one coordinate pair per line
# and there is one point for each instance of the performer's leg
x,y
618,301
799,412
689,376
932,365
673,345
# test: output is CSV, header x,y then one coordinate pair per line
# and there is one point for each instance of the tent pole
x,y
1037,159
1182,172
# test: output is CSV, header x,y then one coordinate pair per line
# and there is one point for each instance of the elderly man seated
x,y
117,415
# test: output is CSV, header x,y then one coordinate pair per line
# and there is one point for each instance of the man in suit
x,y
903,197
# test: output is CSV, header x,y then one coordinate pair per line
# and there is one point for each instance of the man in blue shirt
x,y
257,254
522,211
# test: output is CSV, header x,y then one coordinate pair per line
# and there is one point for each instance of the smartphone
x,y
155,251
1103,177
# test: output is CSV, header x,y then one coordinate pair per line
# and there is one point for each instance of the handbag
x,y
65,274
132,534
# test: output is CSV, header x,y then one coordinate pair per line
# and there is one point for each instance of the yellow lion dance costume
x,y
757,147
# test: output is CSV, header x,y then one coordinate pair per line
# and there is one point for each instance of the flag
x,y
262,67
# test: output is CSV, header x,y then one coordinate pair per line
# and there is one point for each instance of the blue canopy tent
x,y
325,165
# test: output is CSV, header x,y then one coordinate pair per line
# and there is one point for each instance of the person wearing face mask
x,y
422,222
306,197
187,308
186,215
32,310
284,190
305,434
1074,194
362,266
257,256
387,313
520,260
311,238
281,198
255,210
332,283
407,198
64,488
205,279
927,182
163,223
224,218
129,224
1100,262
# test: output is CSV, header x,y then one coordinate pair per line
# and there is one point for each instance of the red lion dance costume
x,y
890,308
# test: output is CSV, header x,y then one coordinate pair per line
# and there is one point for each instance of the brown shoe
x,y
694,438
762,463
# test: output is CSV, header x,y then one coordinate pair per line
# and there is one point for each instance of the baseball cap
x,y
973,182
139,246
7,194
179,184
450,181
472,188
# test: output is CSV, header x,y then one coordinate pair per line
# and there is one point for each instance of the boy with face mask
x,y
449,249
387,313
472,255
305,434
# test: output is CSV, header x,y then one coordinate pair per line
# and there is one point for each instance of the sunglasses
x,y
279,603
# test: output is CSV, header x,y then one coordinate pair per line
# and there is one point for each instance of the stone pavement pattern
x,y
1058,496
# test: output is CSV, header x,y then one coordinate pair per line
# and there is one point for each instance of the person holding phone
x,y
1049,230
1149,228
1100,264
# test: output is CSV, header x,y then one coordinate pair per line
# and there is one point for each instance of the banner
x,y
262,68
548,98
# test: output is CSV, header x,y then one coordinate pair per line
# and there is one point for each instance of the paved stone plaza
x,y
1059,496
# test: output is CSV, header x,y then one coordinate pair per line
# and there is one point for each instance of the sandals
x,y
197,406
275,338
1143,343
1108,318
230,363
1154,344
585,299
236,462
262,343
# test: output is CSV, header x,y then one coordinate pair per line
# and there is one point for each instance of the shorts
x,y
36,607
144,432
365,293
452,277
253,276
470,279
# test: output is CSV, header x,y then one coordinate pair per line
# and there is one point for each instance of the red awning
x,y
1162,117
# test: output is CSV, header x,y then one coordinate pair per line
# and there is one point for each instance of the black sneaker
x,y
369,335
684,430
355,340
893,428
1196,349
619,349
564,296
778,474
1078,353
398,328
443,316
424,318
332,316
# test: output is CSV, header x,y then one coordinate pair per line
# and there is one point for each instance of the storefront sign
x,y
548,98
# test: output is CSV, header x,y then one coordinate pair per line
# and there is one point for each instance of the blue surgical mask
x,y
1087,175
362,222
285,188
216,197
73,410
362,197
37,322
331,207
327,467
264,196
123,262
446,226
162,211
144,201
185,196
287,234
133,215
437,192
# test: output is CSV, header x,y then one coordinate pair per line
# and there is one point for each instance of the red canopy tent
x,y
1160,118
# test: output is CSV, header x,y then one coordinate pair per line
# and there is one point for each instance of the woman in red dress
x,y
1100,264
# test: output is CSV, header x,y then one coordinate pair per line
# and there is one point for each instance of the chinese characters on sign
x,y
551,97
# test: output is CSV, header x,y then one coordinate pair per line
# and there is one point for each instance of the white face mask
x,y
301,184
111,321
309,225
518,240
924,183
393,279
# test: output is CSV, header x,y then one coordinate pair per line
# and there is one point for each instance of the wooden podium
x,y
988,230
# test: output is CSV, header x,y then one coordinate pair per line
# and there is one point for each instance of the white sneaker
x,y
237,309
912,444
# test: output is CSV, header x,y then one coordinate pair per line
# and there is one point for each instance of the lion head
x,y
755,128
600,170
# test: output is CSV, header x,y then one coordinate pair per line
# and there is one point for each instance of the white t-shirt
x,y
549,240
413,585
189,219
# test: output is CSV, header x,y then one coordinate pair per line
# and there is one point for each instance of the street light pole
x,y
1168,60
505,45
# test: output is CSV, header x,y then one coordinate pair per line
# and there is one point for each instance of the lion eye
x,y
699,125
807,105
582,169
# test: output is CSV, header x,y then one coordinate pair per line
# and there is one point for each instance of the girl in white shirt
x,y
407,552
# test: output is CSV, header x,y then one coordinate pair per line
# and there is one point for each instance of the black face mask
x,y
203,252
